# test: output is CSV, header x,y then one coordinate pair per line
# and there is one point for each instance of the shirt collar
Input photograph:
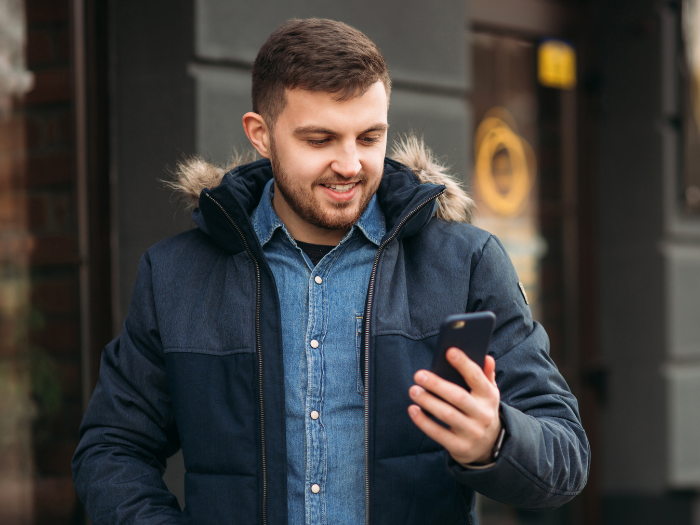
x,y
265,219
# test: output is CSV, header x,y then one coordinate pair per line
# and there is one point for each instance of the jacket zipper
x,y
259,353
368,312
370,294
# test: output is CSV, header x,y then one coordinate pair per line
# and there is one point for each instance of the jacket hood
x,y
195,174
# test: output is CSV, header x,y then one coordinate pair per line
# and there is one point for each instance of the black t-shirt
x,y
315,252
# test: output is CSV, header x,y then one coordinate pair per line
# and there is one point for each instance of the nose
x,y
347,161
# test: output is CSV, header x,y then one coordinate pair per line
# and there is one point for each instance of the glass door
x,y
524,183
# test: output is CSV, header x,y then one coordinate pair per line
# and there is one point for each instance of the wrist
x,y
489,460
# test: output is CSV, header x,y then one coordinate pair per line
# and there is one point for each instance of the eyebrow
x,y
303,130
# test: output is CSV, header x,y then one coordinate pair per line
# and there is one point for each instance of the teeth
x,y
340,188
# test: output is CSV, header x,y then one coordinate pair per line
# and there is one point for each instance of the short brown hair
x,y
315,54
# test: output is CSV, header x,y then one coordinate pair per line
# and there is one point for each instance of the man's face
x,y
327,160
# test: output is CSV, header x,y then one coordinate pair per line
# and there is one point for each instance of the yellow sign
x,y
502,176
556,64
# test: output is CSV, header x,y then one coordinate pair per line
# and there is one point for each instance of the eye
x,y
369,140
317,142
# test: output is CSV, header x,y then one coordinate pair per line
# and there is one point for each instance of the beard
x,y
306,205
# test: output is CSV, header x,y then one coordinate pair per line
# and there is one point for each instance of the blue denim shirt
x,y
322,309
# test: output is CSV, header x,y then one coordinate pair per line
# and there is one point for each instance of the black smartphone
x,y
471,333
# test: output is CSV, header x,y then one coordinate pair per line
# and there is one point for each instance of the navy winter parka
x,y
198,365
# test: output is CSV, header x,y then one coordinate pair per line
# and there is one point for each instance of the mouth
x,y
340,188
341,194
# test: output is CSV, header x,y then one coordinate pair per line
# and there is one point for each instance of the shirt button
x,y
318,279
314,343
314,414
315,488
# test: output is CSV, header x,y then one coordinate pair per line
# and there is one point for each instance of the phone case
x,y
471,333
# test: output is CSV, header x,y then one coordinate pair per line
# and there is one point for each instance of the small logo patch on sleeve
x,y
522,290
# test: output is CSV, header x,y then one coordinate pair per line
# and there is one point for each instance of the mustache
x,y
361,177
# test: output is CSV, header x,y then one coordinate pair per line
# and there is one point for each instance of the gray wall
x,y
632,324
152,126
649,271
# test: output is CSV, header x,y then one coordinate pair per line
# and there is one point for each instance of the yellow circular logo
x,y
502,175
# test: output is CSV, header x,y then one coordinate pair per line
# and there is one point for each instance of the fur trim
x,y
453,205
192,175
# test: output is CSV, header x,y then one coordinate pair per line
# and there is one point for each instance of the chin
x,y
332,220
337,223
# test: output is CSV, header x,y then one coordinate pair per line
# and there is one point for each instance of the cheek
x,y
296,163
305,169
374,166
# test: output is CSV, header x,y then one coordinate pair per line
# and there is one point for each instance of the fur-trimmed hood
x,y
195,174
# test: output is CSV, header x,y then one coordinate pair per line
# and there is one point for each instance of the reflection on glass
x,y
14,78
517,183
505,179
690,183
40,403
504,175
17,410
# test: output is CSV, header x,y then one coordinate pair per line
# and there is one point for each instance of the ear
x,y
257,132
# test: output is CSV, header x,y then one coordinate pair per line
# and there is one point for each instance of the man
x,y
278,343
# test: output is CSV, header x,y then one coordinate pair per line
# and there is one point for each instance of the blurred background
x,y
573,123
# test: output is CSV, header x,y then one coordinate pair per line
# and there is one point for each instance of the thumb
x,y
490,368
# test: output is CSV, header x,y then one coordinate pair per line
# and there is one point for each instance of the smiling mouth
x,y
340,188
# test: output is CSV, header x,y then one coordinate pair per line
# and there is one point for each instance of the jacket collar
x,y
265,220
224,213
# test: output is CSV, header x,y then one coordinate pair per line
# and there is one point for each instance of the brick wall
x,y
52,218
39,254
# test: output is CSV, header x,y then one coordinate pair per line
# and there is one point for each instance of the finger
x,y
447,390
470,371
443,411
490,369
433,430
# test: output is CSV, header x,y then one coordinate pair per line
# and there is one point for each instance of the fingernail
x,y
453,354
413,410
421,377
414,391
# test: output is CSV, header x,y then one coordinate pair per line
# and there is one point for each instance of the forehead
x,y
317,108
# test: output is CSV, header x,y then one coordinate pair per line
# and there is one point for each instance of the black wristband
x,y
499,442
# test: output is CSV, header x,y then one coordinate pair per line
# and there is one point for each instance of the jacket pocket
x,y
209,351
201,329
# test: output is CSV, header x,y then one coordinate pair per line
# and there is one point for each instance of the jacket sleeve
x,y
128,430
545,458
